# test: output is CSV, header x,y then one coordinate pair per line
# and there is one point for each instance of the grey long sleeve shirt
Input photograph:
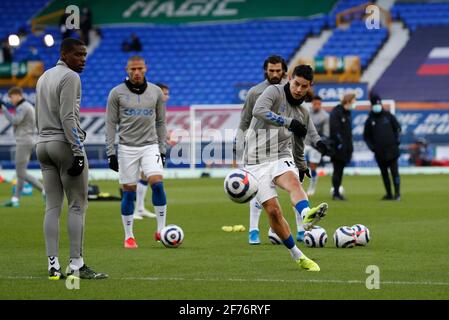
x,y
58,96
140,118
268,138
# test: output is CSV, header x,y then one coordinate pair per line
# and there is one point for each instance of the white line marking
x,y
398,283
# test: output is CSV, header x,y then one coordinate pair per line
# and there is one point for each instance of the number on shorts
x,y
289,163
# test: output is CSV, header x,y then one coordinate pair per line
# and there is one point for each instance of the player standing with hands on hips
x,y
62,156
279,122
137,107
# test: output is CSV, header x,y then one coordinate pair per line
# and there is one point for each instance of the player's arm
x,y
16,118
70,86
367,135
335,129
112,120
263,110
326,126
264,105
396,128
161,127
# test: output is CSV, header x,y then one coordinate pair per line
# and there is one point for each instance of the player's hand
x,y
163,157
303,173
321,147
77,166
298,128
113,163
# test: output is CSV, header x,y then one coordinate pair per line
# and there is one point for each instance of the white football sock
x,y
255,209
299,224
161,215
128,226
53,262
76,263
141,192
303,212
295,253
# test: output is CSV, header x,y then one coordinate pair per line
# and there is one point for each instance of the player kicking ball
x,y
137,108
279,123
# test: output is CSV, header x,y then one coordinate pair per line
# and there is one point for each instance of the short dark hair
x,y
69,43
317,97
162,86
275,59
303,71
136,58
15,90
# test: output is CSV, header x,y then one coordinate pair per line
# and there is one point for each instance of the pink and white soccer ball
x,y
362,234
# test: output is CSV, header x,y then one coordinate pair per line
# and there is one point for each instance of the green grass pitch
x,y
409,244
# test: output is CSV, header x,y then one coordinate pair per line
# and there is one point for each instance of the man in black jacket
x,y
341,138
382,135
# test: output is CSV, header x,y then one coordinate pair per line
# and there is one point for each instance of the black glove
x,y
303,173
77,166
321,147
113,163
163,157
298,128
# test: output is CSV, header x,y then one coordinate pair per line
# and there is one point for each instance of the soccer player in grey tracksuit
x,y
63,160
23,122
275,69
279,124
137,107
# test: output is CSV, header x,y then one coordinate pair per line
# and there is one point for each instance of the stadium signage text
x,y
188,8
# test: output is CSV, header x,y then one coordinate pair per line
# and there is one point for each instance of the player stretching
x,y
279,121
62,157
137,107
142,186
320,119
275,69
23,122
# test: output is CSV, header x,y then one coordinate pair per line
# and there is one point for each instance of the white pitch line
x,y
345,282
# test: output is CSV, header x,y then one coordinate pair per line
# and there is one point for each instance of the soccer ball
x,y
315,238
361,234
172,236
240,186
344,237
274,238
340,189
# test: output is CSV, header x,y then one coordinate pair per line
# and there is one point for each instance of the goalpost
x,y
217,125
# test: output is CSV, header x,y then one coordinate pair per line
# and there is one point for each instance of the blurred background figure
x,y
134,44
341,137
382,136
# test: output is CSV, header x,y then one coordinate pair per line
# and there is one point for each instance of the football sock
x,y
294,251
76,263
302,207
160,204
53,262
299,224
254,214
127,212
141,192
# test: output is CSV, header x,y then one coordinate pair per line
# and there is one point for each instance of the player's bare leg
x,y
280,226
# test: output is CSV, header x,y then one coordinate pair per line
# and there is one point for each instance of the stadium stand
x,y
16,14
416,15
355,41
